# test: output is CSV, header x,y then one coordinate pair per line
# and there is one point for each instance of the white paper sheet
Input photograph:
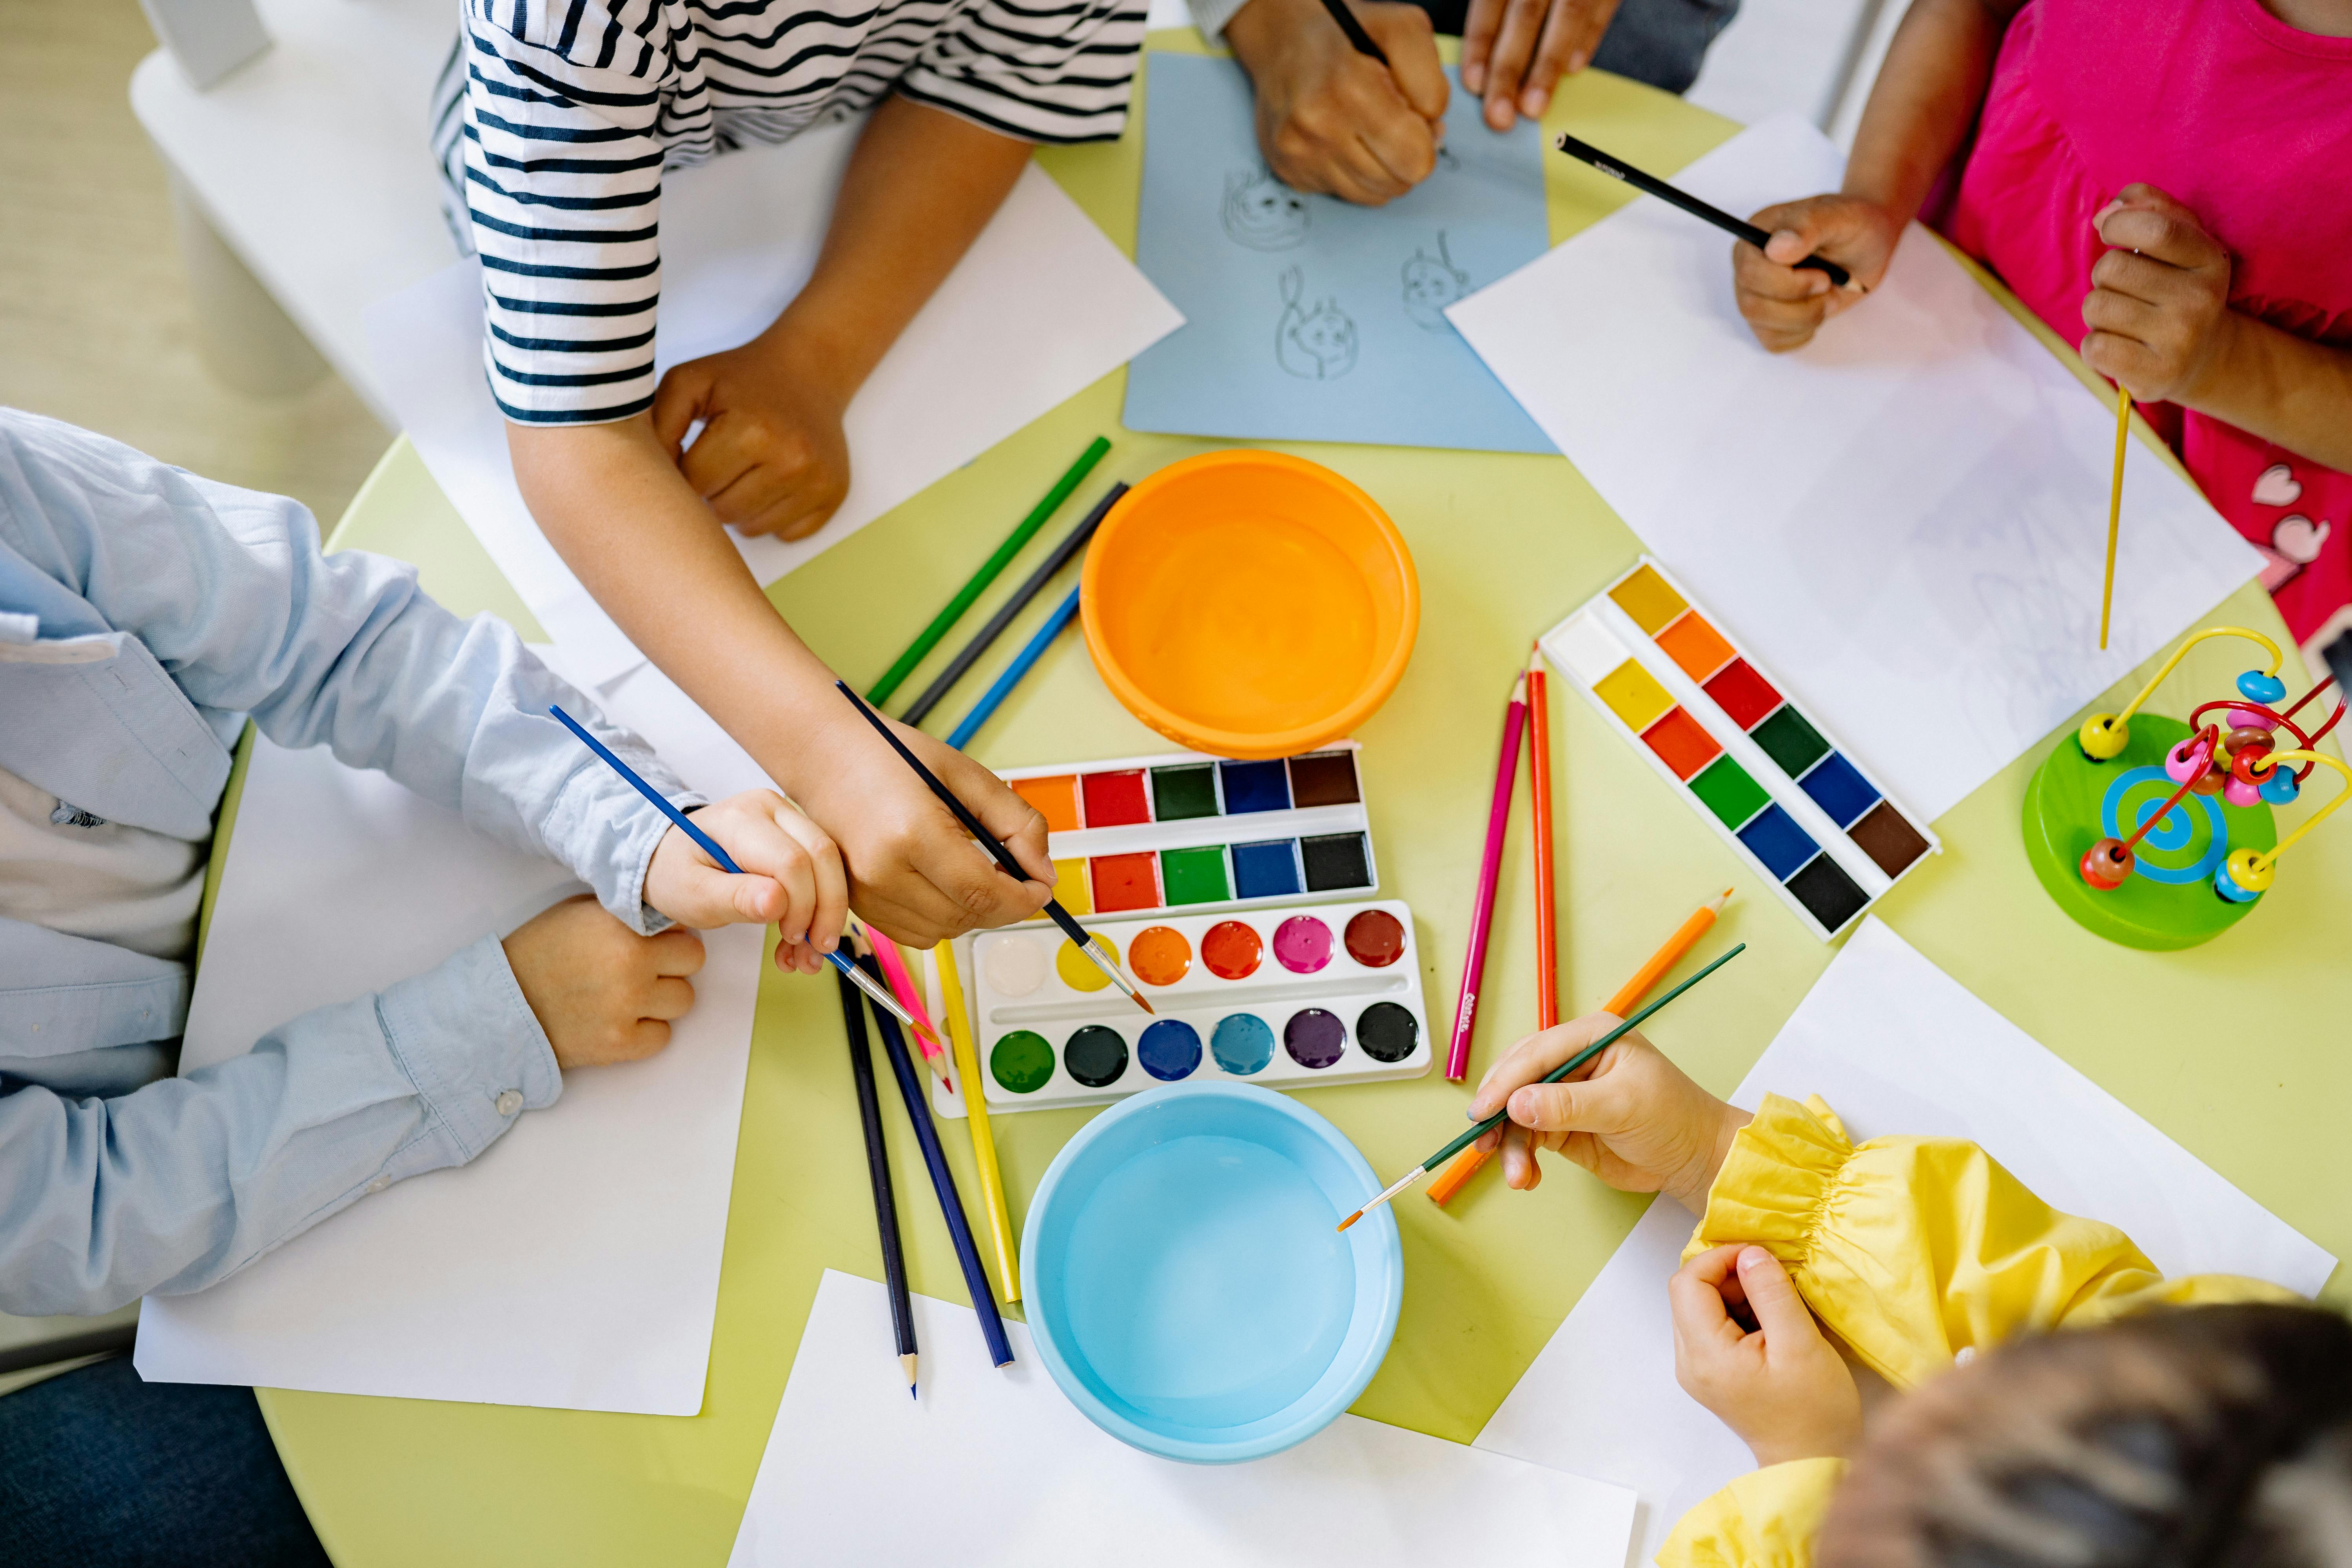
x,y
575,1263
1906,520
1011,1475
1895,1045
1040,308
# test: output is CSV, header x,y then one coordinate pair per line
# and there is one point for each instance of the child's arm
x,y
1912,1250
178,1184
1926,99
2161,324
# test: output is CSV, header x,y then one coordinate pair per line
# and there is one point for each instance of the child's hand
x,y
914,874
1782,1388
1332,121
602,993
1784,305
2159,308
771,458
791,878
1629,1116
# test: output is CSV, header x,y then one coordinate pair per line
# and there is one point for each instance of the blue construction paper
x,y
1311,319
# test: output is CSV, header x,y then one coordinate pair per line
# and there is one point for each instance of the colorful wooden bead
x,y
2239,738
2241,879
2251,764
2247,719
2257,686
2281,787
2106,865
2236,791
2210,781
2185,761
2102,738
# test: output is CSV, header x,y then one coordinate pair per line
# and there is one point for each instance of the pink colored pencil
x,y
902,985
1482,913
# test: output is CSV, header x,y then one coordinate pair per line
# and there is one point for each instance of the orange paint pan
x,y
1250,604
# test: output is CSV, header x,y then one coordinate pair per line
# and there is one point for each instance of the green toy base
x,y
2063,820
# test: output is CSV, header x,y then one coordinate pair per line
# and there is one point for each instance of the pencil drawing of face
x,y
1431,283
1317,344
1263,213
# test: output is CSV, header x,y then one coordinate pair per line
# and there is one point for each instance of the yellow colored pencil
x,y
2115,506
975,1105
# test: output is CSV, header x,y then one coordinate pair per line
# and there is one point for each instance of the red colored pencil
x,y
1482,913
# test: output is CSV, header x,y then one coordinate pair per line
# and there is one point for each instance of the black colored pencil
x,y
919,1111
997,851
1617,169
1354,29
877,1168
969,655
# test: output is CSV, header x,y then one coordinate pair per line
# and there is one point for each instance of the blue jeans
x,y
1662,42
99,1467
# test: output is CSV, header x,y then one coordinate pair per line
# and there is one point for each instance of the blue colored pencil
x,y
873,989
919,1111
987,705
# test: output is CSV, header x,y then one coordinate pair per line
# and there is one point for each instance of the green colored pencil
x,y
929,638
1481,1129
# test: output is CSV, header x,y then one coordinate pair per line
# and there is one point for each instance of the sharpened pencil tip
x,y
1720,899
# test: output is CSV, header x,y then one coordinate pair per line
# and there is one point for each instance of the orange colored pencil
x,y
1467,1165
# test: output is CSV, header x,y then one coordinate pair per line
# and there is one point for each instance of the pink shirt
x,y
2246,122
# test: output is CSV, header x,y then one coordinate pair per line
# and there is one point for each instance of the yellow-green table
x,y
2237,1049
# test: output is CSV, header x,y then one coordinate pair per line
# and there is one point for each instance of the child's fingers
x,y
1570,37
721,456
2146,219
1515,47
1405,36
1538,1054
1479,26
2123,314
829,881
1702,1320
676,952
678,401
670,998
1772,1296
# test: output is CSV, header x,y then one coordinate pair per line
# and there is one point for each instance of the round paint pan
x,y
1250,604
1188,1290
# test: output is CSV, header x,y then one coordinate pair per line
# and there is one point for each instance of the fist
x,y
602,993
771,458
1782,1386
1785,305
1330,120
2159,309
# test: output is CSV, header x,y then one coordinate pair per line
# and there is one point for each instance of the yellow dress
x,y
1912,1250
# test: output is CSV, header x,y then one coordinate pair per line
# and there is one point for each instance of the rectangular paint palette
x,y
1187,832
1769,780
1289,998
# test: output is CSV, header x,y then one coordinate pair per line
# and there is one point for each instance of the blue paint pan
x,y
1187,1287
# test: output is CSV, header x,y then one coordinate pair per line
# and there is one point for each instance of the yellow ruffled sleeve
x,y
1766,1519
1912,1250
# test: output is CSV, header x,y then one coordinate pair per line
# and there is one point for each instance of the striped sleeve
x,y
1043,72
563,174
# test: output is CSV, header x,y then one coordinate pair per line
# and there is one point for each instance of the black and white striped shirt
x,y
571,110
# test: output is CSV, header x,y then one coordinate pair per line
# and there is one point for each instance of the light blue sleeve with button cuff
x,y
183,1183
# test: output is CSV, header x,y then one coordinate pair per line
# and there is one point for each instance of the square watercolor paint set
x,y
1769,780
1284,997
1194,833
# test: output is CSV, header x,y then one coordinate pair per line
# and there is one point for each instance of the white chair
x,y
304,184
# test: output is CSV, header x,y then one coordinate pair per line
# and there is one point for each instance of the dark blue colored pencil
x,y
877,1171
919,1111
1063,613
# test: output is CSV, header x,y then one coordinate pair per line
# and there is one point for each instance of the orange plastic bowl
x,y
1250,604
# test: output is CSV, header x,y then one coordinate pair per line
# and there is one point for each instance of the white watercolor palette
x,y
1284,997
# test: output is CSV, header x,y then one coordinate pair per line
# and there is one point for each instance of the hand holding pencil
x,y
1630,1116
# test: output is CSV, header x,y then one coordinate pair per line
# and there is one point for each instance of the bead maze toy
x,y
2158,833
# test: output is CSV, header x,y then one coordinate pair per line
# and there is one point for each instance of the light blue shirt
x,y
144,614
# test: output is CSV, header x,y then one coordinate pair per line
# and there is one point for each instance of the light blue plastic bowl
x,y
1186,1286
